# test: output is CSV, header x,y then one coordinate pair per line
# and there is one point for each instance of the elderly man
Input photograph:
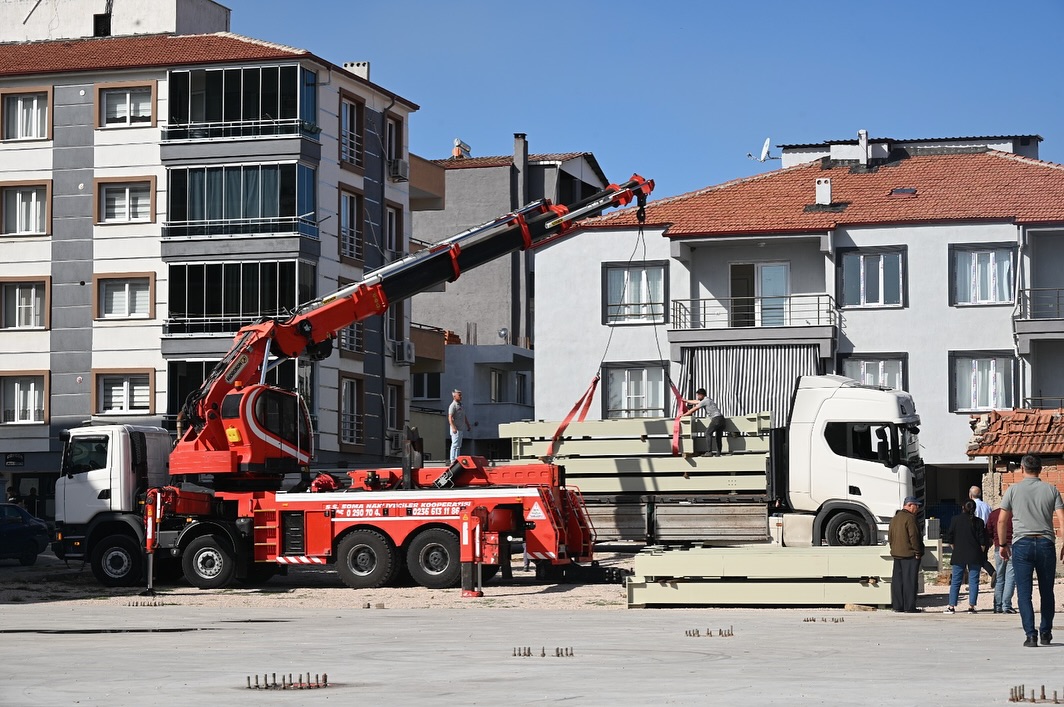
x,y
906,547
1029,508
982,508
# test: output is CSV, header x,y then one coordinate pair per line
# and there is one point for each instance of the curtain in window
x,y
252,199
115,105
215,193
1002,276
12,114
615,281
114,299
23,399
197,179
984,383
140,105
23,305
745,380
881,372
271,191
983,276
233,202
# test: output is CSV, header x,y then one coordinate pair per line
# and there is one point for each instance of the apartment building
x,y
160,191
932,265
490,310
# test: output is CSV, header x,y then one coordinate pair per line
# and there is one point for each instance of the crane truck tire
x,y
434,559
366,560
116,561
847,529
209,563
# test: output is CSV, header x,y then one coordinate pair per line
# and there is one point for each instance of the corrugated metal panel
x,y
744,380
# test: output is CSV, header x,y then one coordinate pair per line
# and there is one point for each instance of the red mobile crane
x,y
437,522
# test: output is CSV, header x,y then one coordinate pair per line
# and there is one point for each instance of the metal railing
x,y
1042,303
352,245
239,128
353,428
736,312
351,148
241,227
1044,403
208,325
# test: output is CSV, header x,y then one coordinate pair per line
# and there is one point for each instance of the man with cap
x,y
906,547
459,423
1029,507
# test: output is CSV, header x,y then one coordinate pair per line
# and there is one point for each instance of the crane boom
x,y
249,434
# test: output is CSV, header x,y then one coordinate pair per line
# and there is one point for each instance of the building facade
x,y
928,265
160,191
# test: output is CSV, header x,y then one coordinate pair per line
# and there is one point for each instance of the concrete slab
x,y
53,654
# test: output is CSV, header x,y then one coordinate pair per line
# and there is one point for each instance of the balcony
x,y
352,428
1040,316
803,318
240,129
241,227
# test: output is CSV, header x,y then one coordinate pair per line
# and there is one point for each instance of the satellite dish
x,y
764,152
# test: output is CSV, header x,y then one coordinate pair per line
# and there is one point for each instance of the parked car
x,y
22,537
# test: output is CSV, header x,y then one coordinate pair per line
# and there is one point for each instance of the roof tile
x,y
1017,432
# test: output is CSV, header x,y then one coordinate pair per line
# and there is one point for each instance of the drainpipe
x,y
1021,238
384,317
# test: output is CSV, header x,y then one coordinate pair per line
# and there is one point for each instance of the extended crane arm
x,y
311,330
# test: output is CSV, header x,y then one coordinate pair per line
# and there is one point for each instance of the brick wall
x,y
996,482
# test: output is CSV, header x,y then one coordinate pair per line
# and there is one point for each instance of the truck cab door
x,y
86,480
871,473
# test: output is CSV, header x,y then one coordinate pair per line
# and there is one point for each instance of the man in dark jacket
x,y
906,547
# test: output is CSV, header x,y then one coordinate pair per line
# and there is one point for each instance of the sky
x,y
681,92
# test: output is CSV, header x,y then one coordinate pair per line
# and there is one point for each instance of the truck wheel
x,y
209,563
847,529
434,559
117,561
365,560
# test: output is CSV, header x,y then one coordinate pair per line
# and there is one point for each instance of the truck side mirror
x,y
883,453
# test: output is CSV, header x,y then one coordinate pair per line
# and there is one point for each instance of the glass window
x,y
126,106
125,299
26,116
23,305
393,242
859,440
635,293
983,381
352,429
498,385
394,397
982,276
24,210
23,398
352,241
635,392
884,372
124,394
351,133
872,279
521,388
122,203
426,386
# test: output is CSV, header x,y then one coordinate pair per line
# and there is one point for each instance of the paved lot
x,y
142,654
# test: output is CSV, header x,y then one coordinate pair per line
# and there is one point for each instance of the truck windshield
x,y
86,453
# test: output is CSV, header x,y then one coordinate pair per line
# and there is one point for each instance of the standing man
x,y
1028,508
1004,581
982,508
459,423
714,421
906,547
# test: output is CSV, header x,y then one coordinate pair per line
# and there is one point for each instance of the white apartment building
x,y
932,265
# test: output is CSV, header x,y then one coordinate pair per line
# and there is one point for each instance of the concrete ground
x,y
161,654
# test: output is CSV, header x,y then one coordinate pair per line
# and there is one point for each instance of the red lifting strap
x,y
526,236
681,408
455,250
582,405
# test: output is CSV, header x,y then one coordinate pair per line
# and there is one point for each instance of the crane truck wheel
x,y
847,529
116,561
365,560
434,559
209,563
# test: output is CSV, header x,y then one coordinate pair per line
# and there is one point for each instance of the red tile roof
x,y
139,51
984,186
1017,432
504,160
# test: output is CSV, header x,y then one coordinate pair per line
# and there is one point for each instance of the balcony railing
x,y
735,312
1044,403
240,128
1042,303
195,326
241,227
352,428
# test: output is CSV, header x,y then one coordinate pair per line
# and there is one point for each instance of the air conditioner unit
x,y
395,442
399,170
404,352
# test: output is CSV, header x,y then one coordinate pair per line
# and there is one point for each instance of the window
x,y
393,138
265,96
860,440
352,423
353,338
125,297
23,398
25,305
25,209
352,232
498,385
125,393
872,279
125,202
521,388
352,131
393,322
981,276
982,381
887,372
637,391
426,386
394,398
125,106
634,293
222,297
25,115
185,377
393,234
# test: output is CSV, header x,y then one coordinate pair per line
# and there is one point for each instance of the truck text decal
x,y
377,510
